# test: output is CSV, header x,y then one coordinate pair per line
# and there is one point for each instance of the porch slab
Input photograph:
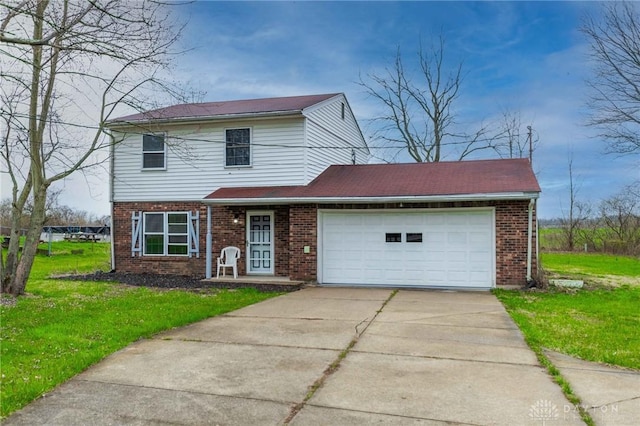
x,y
280,284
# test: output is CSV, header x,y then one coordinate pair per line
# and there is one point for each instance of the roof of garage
x,y
481,179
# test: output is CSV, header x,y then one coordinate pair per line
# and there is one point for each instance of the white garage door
x,y
418,248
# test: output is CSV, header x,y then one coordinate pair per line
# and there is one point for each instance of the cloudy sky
x,y
528,57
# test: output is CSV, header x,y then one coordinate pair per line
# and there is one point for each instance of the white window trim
x,y
242,166
164,152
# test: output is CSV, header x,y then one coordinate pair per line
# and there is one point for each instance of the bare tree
x,y
615,94
420,117
511,140
620,215
579,212
65,67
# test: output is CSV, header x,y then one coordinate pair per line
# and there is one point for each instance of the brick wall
x,y
121,239
303,231
296,227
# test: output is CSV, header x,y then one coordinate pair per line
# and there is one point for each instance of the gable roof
x,y
226,109
460,180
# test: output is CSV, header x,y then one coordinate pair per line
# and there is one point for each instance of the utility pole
x,y
529,136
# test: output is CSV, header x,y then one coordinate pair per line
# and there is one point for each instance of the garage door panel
x,y
444,249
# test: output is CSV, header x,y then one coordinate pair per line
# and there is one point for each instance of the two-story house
x,y
286,181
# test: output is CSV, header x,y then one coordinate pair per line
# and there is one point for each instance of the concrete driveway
x,y
405,357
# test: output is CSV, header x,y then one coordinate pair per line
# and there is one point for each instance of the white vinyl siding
x,y
284,151
195,161
332,139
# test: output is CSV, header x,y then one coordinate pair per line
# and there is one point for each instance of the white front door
x,y
260,243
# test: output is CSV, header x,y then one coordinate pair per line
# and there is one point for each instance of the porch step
x,y
279,284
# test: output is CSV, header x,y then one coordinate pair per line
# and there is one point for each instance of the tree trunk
x,y
17,282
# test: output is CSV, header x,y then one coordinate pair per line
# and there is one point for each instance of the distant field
x,y
590,264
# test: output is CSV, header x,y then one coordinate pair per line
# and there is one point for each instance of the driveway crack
x,y
333,367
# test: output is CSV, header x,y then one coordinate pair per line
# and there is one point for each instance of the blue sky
x,y
523,56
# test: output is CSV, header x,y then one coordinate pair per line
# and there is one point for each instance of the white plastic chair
x,y
229,259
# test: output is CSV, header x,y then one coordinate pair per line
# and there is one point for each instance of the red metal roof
x,y
225,108
458,178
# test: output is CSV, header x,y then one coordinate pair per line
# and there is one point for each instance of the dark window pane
x,y
177,249
153,222
414,237
153,143
177,239
153,244
238,151
393,237
153,161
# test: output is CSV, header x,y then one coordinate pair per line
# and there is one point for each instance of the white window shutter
x,y
194,240
136,234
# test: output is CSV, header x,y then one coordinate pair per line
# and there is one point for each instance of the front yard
x,y
62,327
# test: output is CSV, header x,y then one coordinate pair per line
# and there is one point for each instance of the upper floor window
x,y
238,147
153,151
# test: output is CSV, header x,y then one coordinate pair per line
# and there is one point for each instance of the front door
x,y
260,243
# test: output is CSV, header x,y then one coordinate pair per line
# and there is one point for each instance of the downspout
x,y
111,191
530,240
208,245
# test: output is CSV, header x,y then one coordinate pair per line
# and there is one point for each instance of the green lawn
x,y
591,264
598,325
62,327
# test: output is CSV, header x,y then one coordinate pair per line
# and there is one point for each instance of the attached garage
x,y
465,224
418,248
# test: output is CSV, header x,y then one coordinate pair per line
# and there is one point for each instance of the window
x,y
393,237
166,234
153,152
238,150
415,237
342,110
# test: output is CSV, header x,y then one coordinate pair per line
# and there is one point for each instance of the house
x,y
286,181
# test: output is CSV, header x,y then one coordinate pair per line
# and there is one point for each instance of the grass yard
x,y
62,327
598,324
595,325
591,264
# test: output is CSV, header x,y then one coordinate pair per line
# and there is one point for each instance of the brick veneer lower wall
x,y
296,227
179,265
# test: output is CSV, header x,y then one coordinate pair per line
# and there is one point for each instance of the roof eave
x,y
370,200
190,120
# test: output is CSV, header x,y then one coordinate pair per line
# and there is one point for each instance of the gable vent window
x,y
342,110
238,147
153,152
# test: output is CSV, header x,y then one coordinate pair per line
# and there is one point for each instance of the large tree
x,y
420,117
614,39
66,66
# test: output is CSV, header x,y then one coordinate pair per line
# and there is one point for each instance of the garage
x,y
452,248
